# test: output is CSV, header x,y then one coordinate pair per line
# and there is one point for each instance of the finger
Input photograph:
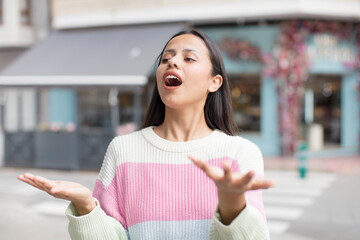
x,y
28,181
196,161
261,184
38,182
245,179
227,171
210,172
46,183
29,176
20,177
199,163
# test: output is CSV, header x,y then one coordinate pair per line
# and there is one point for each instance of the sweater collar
x,y
187,146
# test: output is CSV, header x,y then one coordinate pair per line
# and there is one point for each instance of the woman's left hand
x,y
231,187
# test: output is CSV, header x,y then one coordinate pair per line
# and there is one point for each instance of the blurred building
x,y
23,23
293,67
69,95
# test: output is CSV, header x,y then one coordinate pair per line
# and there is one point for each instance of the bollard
x,y
302,158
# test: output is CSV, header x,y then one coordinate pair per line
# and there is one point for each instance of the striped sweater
x,y
148,189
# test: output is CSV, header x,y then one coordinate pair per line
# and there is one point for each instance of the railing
x,y
19,149
72,151
93,147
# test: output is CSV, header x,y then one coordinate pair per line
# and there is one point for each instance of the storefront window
x,y
325,108
94,109
126,109
96,112
246,102
25,12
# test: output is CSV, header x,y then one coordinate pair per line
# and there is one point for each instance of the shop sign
x,y
328,47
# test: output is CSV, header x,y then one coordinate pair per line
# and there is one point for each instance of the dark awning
x,y
99,56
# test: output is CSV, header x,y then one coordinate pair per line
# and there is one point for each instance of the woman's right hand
x,y
80,195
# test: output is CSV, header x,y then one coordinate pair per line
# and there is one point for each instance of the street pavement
x,y
291,198
324,205
335,215
27,213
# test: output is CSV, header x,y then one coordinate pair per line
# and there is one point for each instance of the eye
x,y
189,59
164,60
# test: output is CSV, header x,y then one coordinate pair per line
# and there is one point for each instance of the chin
x,y
173,104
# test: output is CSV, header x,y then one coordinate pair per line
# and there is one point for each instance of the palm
x,y
229,182
71,191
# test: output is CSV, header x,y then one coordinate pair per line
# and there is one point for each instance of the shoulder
x,y
124,139
116,153
246,152
248,147
122,145
243,145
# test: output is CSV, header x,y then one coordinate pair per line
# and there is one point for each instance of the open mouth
x,y
172,81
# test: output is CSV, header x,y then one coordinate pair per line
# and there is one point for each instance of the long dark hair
x,y
218,107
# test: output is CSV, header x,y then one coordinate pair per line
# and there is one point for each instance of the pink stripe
x,y
254,198
163,192
108,201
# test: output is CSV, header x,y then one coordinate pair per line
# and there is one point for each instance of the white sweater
x,y
149,189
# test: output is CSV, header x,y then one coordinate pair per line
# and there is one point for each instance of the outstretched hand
x,y
229,182
80,195
231,187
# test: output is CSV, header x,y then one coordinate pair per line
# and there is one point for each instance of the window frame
x,y
26,11
248,77
1,12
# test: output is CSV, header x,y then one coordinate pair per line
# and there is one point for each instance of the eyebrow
x,y
185,50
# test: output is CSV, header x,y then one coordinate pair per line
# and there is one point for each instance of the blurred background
x,y
76,73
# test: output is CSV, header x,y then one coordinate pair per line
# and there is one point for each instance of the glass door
x,y
322,106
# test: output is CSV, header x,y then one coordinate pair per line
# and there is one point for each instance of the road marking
x,y
295,191
284,213
56,208
285,200
278,227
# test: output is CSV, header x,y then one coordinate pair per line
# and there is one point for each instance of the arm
x,y
106,220
87,219
237,217
249,223
95,225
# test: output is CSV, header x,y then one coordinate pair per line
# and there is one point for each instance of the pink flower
x,y
55,126
70,127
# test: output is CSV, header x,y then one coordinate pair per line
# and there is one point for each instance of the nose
x,y
172,63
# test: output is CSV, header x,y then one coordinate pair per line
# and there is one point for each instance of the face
x,y
184,76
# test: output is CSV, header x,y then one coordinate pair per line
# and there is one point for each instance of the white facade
x,y
19,104
21,27
12,32
90,13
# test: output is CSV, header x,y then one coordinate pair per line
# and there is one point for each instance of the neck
x,y
183,125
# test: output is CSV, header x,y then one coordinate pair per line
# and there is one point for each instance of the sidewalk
x,y
27,213
32,211
344,165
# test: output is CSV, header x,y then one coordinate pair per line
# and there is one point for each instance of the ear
x,y
215,83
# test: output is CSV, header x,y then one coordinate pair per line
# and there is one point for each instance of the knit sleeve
x,y
251,223
94,226
106,220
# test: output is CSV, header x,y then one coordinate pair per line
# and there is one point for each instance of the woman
x,y
152,184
